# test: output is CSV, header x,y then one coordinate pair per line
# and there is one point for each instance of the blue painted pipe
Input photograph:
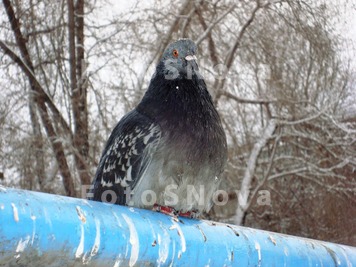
x,y
38,229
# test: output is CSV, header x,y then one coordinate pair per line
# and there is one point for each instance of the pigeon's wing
x,y
126,156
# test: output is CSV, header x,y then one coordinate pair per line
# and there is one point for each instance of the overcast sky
x,y
347,27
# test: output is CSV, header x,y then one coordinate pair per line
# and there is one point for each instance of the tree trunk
x,y
37,145
244,193
78,88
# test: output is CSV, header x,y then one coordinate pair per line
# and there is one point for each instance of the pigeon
x,y
169,152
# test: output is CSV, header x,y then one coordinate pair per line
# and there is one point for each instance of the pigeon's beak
x,y
190,57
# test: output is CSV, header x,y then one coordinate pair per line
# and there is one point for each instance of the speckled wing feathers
x,y
128,152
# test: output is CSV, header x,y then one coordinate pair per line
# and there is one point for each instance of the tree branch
x,y
219,84
212,47
249,101
39,90
213,24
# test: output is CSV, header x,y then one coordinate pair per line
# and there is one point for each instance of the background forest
x,y
277,70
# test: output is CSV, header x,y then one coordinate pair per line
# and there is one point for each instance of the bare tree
x,y
31,40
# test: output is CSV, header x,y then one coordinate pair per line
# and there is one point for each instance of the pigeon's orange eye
x,y
175,53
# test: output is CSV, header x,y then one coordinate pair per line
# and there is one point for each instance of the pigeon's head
x,y
179,60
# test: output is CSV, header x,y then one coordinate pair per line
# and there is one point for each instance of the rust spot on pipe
x,y
201,231
332,254
81,215
235,232
273,240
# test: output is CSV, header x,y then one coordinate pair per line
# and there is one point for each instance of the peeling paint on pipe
x,y
38,229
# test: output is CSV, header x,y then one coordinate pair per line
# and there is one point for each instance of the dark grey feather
x,y
127,154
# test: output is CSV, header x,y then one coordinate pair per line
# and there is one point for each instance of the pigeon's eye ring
x,y
175,53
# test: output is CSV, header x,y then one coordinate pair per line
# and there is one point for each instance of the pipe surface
x,y
38,229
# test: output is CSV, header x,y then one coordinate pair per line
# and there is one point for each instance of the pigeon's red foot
x,y
165,209
193,214
173,212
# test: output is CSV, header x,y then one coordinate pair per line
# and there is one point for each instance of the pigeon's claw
x,y
173,212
